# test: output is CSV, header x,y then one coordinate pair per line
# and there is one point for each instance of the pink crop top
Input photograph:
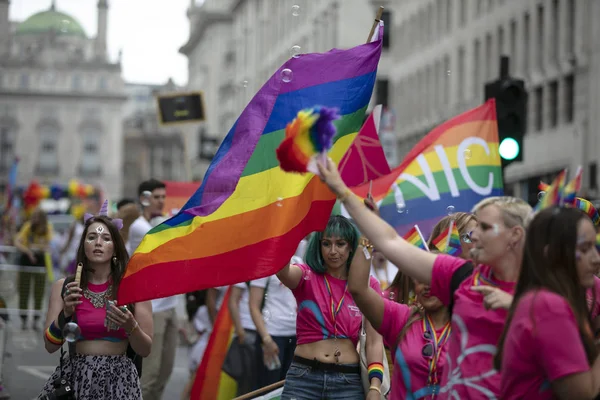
x,y
91,319
314,321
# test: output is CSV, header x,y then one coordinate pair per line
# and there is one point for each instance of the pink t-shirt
x,y
91,319
314,321
542,345
411,369
475,332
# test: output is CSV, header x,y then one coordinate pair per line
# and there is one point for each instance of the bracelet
x,y
133,329
345,195
375,371
375,388
54,334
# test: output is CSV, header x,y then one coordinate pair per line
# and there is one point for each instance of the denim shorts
x,y
305,383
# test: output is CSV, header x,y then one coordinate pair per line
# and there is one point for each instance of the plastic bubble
x,y
450,210
245,83
400,207
448,72
280,202
287,75
295,51
146,194
71,332
467,154
65,24
541,195
295,10
392,295
266,315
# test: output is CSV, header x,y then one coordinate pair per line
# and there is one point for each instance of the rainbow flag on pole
x,y
451,169
448,242
248,216
415,237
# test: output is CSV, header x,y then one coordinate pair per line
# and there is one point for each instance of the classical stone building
x,y
61,100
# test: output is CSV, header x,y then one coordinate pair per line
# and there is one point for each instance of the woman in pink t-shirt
x,y
417,336
547,350
326,363
478,296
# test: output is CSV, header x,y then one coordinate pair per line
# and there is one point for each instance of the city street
x,y
27,366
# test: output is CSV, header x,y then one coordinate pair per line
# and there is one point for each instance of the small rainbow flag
x,y
570,190
451,169
553,193
415,237
448,241
248,216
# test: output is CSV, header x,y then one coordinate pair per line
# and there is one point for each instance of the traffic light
x,y
511,112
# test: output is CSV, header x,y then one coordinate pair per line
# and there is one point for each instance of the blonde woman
x,y
477,296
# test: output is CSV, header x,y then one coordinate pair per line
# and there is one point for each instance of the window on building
x,y
76,82
490,5
539,109
488,56
441,11
540,36
526,42
479,8
24,81
7,147
386,16
513,43
449,15
461,73
463,12
48,148
570,28
555,31
102,83
553,104
501,49
91,165
569,93
447,80
477,68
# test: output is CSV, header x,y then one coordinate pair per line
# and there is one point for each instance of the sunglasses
x,y
466,237
427,350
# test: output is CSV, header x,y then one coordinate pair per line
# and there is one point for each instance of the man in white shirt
x,y
157,367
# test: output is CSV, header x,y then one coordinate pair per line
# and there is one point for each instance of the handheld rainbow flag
x,y
248,216
553,193
571,188
308,135
415,237
448,242
452,168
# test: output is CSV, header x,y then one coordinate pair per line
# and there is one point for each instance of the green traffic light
x,y
509,149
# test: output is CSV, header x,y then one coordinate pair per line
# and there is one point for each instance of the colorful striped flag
x,y
448,241
248,216
211,383
553,193
451,169
571,188
415,237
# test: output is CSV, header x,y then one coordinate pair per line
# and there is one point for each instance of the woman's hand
x,y
122,317
71,298
494,298
270,351
330,175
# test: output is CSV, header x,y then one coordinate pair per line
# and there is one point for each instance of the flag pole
x,y
375,23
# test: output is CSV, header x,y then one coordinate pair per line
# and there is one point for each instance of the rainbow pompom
x,y
310,134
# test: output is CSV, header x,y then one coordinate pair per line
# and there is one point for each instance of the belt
x,y
321,366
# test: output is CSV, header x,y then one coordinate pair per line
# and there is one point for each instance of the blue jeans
x,y
287,346
304,383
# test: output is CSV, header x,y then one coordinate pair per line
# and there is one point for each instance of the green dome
x,y
51,20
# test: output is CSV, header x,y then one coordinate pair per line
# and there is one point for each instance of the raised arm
x,y
290,276
411,260
368,301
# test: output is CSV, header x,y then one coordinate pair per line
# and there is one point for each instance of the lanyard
x,y
333,308
480,280
438,343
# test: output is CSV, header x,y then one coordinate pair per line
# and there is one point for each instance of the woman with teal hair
x,y
326,364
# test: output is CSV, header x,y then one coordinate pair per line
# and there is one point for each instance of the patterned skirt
x,y
99,377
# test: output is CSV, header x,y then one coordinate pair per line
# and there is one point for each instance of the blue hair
x,y
338,226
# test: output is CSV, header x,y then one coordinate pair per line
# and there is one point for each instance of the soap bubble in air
x,y
541,195
287,75
467,154
71,332
450,210
266,315
279,202
400,207
245,83
295,10
295,51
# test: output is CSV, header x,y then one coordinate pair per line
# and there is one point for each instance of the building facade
x,y
444,51
236,45
61,100
152,151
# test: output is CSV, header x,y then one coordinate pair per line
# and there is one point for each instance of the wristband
x,y
54,334
375,388
375,371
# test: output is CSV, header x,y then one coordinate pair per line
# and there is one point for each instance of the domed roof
x,y
51,20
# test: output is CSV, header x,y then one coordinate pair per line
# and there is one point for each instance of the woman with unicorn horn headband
x,y
498,249
109,338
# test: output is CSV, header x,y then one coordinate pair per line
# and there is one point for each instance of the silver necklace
x,y
98,299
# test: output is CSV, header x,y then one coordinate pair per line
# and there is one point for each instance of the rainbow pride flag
x,y
248,216
448,241
211,383
553,193
415,237
451,169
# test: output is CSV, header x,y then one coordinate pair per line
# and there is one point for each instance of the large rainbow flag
x,y
451,169
248,216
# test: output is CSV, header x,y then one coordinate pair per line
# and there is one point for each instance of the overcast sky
x,y
150,33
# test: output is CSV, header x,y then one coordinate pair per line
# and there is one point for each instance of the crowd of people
x,y
357,313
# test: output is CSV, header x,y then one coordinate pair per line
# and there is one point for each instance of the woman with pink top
x,y
416,335
326,363
478,295
547,350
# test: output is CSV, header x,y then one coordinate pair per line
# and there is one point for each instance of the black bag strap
x,y
462,273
